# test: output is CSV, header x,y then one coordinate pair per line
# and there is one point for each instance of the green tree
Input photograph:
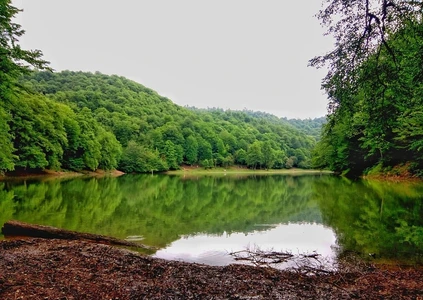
x,y
111,150
137,159
207,164
7,157
204,150
89,147
221,149
268,155
388,103
360,29
39,132
254,155
14,61
229,140
131,160
171,155
291,162
133,112
280,159
72,156
373,84
241,157
172,133
191,150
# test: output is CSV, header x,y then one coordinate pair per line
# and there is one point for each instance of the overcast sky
x,y
232,54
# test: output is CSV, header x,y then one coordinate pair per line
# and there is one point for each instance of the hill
x,y
82,120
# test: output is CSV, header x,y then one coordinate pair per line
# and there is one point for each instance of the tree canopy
x,y
361,29
85,121
14,61
374,86
156,134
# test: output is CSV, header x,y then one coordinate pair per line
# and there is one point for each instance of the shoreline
x,y
184,171
46,174
75,269
192,170
391,178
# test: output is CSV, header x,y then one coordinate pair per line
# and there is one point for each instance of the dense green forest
x,y
375,87
85,121
77,120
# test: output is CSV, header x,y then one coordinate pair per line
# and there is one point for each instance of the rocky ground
x,y
34,268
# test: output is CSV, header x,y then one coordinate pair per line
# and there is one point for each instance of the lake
x,y
203,219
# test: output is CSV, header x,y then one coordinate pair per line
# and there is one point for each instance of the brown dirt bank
x,y
51,174
193,171
34,268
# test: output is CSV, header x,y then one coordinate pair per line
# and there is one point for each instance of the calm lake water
x,y
202,219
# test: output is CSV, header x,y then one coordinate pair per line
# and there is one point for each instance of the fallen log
x,y
15,228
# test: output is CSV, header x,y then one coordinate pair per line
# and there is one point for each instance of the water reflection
x,y
292,238
384,219
172,212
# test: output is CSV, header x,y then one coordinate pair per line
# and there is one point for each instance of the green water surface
x,y
366,217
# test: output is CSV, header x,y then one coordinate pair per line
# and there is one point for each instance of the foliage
x,y
38,130
77,121
159,135
168,207
373,217
375,88
6,146
137,159
310,127
361,29
254,155
367,216
14,61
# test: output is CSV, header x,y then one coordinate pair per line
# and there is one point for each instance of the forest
x,y
88,121
375,89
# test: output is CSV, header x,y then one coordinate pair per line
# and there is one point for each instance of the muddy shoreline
x,y
34,268
50,174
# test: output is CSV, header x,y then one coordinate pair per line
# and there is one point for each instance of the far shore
x,y
45,174
188,171
185,170
194,170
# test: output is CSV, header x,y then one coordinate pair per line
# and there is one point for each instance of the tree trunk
x,y
16,228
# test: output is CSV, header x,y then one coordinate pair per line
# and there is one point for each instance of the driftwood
x,y
16,228
306,263
259,257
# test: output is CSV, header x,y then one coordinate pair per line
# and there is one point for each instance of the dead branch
x,y
15,228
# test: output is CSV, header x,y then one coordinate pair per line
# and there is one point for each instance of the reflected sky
x,y
298,238
202,220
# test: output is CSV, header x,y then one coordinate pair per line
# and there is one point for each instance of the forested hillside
x,y
77,121
376,91
311,127
85,121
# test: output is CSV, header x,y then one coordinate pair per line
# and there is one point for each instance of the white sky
x,y
232,54
303,238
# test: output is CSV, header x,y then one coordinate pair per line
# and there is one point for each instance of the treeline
x,y
39,133
376,124
76,121
311,127
84,121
